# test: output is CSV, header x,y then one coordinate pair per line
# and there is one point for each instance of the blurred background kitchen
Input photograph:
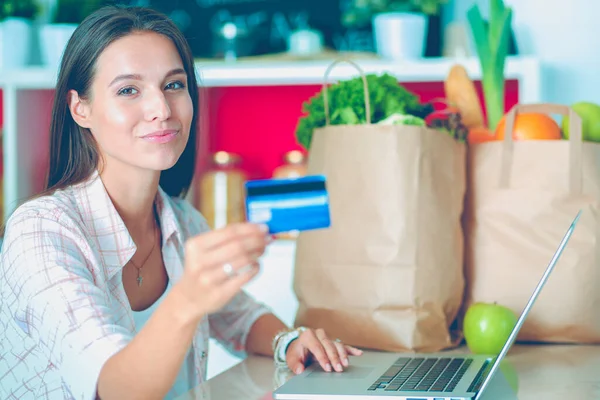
x,y
259,60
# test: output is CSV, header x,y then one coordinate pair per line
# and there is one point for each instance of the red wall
x,y
259,123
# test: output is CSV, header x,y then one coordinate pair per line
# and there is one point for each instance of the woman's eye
x,y
175,85
128,91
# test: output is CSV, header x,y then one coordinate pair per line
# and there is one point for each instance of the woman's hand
x,y
217,264
332,355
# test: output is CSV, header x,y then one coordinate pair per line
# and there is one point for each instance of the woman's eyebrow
x,y
123,77
175,71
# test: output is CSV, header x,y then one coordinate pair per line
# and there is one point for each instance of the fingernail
x,y
264,228
345,362
328,367
299,370
339,368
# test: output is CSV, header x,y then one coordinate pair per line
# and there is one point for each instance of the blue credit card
x,y
290,204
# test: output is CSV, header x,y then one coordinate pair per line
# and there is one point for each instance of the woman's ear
x,y
79,109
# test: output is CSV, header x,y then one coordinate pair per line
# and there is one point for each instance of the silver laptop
x,y
420,376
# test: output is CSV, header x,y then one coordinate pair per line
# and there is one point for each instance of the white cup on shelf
x,y
400,35
305,42
53,41
15,43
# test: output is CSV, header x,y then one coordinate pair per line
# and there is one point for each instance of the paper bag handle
x,y
365,87
575,141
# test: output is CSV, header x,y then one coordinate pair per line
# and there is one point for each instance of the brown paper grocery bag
x,y
522,197
388,273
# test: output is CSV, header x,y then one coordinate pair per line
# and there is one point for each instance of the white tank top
x,y
183,382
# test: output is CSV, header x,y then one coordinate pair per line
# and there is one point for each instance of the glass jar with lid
x,y
294,165
221,197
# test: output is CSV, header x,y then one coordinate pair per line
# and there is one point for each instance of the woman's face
x,y
139,110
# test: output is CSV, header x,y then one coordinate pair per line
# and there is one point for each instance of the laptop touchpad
x,y
350,372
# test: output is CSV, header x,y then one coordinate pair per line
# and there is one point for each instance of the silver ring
x,y
228,269
338,340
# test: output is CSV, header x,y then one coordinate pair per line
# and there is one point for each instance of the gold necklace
x,y
140,278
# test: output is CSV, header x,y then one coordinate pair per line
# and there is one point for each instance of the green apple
x,y
590,121
487,326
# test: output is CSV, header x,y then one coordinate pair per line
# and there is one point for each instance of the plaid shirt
x,y
63,308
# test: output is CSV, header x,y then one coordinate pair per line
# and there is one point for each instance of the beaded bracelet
x,y
282,341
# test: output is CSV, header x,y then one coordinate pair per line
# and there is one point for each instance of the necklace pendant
x,y
140,279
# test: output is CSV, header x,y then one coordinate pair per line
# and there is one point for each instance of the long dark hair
x,y
73,151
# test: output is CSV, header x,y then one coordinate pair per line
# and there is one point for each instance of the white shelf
x,y
27,95
256,72
253,73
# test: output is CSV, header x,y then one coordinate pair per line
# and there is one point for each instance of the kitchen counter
x,y
546,372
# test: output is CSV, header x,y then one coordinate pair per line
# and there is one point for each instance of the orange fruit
x,y
480,135
531,126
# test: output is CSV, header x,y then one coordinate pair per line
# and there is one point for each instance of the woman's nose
x,y
158,107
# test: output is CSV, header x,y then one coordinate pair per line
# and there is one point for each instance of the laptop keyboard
x,y
423,374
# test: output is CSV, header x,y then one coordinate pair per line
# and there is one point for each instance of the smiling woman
x,y
106,58
154,105
111,282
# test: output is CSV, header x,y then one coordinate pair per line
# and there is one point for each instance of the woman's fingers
x,y
219,263
214,277
233,285
230,233
251,246
330,349
341,349
297,357
314,344
237,252
315,347
353,350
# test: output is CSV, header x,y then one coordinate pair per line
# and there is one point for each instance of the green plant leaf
x,y
492,48
347,104
497,25
496,8
480,36
75,11
28,9
504,35
359,13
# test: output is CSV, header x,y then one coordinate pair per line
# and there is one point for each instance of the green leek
x,y
491,41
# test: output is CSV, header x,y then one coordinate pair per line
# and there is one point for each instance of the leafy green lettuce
x,y
347,104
